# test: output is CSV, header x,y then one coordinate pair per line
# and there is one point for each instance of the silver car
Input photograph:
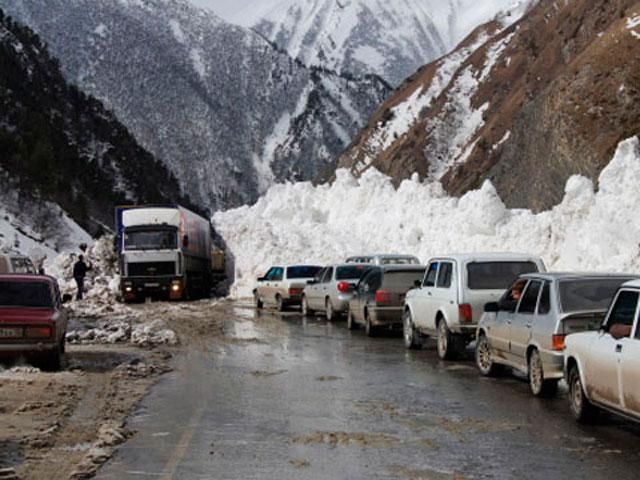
x,y
283,286
331,290
378,301
384,259
527,327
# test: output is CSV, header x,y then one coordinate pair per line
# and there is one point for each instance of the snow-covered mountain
x,y
526,106
226,111
65,161
391,38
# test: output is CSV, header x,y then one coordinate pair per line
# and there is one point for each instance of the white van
x,y
450,300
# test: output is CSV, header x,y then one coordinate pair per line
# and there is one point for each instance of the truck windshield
x,y
588,294
150,240
496,275
25,294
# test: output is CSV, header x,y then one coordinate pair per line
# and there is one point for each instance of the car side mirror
x,y
417,283
185,241
492,307
66,298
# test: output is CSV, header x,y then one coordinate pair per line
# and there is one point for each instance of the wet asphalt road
x,y
287,398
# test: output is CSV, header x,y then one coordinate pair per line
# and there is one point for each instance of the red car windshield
x,y
25,294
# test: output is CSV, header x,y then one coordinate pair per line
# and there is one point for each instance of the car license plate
x,y
10,332
151,285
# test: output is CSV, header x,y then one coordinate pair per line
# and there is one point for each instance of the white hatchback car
x,y
283,286
450,300
602,368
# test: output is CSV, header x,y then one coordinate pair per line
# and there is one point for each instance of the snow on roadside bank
x,y
298,222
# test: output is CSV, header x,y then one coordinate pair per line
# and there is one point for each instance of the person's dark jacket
x,y
80,269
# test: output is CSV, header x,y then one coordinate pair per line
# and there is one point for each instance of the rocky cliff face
x,y
226,111
525,106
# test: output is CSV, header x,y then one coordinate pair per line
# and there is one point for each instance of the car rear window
x,y
25,294
402,279
302,271
352,272
588,294
398,261
496,275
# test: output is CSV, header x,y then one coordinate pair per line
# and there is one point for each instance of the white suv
x,y
450,300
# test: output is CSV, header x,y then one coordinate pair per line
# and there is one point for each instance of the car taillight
x,y
342,287
295,291
38,332
382,296
557,342
464,311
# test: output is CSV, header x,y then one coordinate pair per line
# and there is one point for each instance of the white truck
x,y
164,252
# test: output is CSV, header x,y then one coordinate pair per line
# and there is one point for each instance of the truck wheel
x,y
484,362
410,334
581,408
351,321
539,386
369,329
257,301
306,311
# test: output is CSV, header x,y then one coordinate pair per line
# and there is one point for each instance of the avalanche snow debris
x,y
300,222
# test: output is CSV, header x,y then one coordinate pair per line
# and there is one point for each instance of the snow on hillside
x,y
390,38
43,235
300,222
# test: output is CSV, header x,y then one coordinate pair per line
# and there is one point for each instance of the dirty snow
x,y
300,222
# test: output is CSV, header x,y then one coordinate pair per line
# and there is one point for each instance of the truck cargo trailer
x,y
164,252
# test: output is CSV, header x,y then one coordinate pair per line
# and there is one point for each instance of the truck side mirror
x,y
185,241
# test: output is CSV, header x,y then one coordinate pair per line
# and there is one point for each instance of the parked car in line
x,y
384,259
16,263
602,368
331,289
33,321
378,299
450,301
527,327
283,286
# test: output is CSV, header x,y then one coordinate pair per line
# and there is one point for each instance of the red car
x,y
33,322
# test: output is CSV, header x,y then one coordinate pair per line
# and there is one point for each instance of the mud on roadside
x,y
65,425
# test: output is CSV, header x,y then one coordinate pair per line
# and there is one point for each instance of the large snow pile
x,y
102,280
588,230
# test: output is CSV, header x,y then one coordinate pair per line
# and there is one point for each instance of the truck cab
x,y
164,252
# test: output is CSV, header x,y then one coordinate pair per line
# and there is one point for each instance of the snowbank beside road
x,y
588,230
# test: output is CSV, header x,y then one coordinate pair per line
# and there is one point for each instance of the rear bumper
x,y
341,303
467,330
13,348
386,315
552,364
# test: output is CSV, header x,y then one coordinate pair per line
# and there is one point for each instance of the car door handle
x,y
508,322
618,348
528,325
429,293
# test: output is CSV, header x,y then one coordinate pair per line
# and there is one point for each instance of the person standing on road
x,y
80,269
